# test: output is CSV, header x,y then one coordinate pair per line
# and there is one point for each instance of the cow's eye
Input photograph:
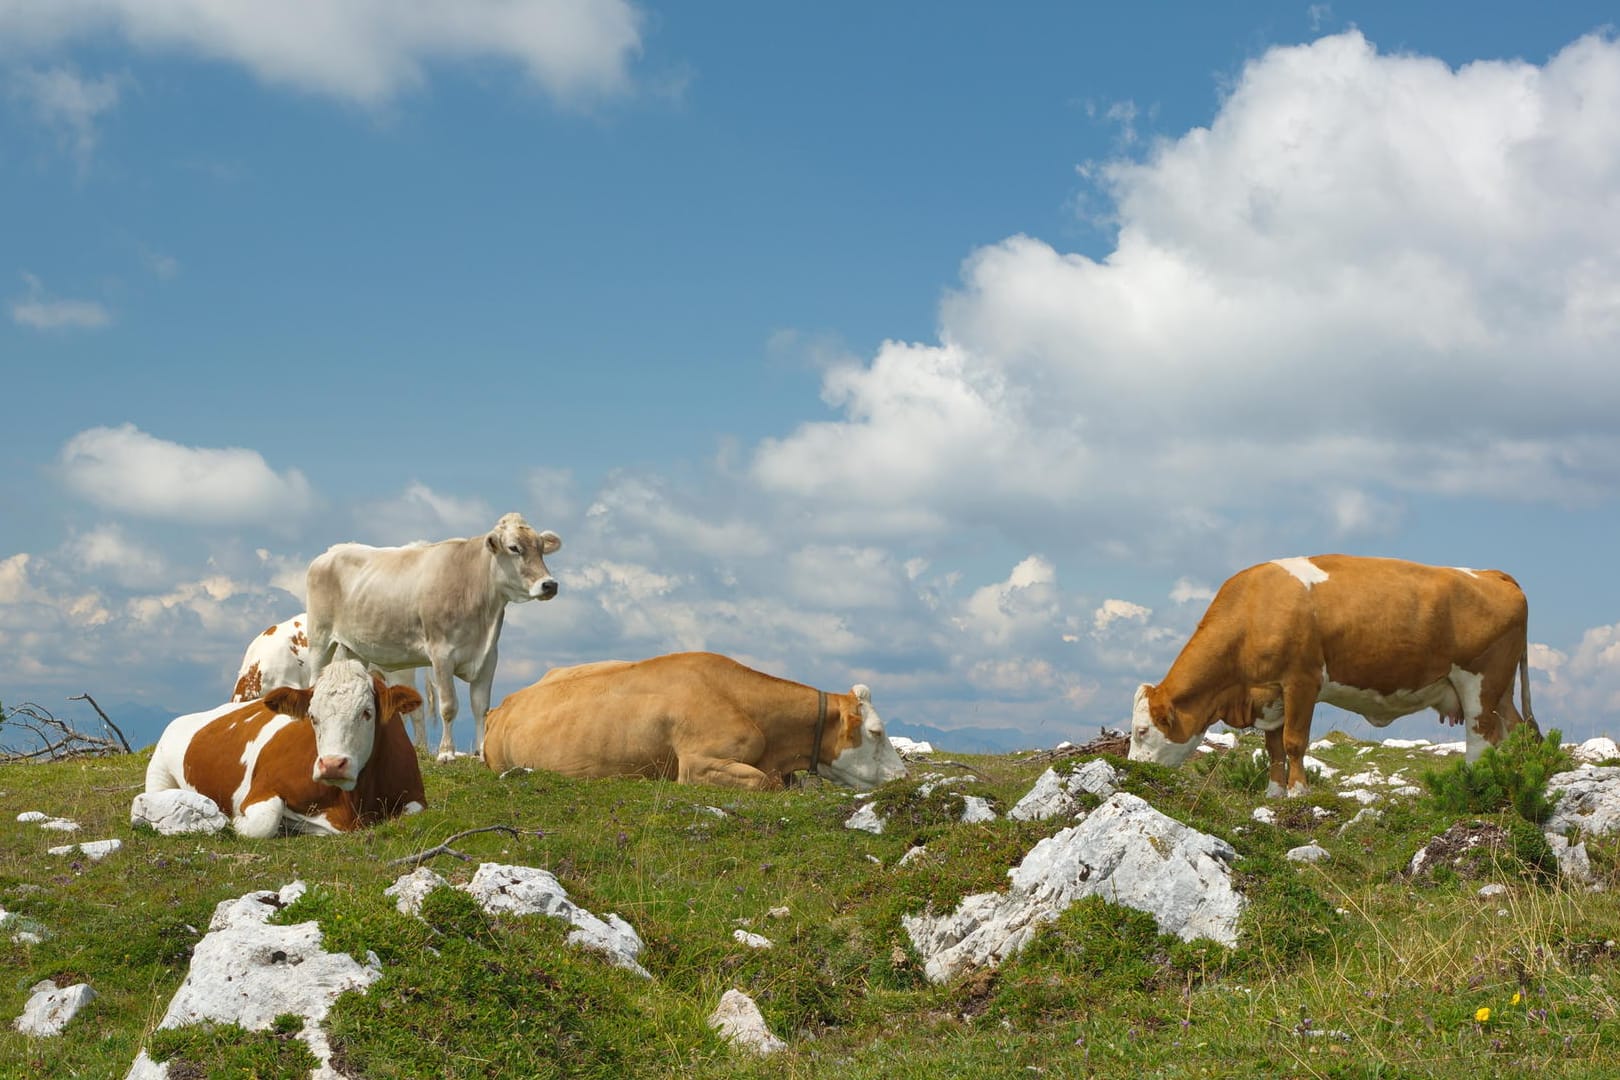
x,y
514,549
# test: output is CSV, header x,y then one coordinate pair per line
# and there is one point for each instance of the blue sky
x,y
958,352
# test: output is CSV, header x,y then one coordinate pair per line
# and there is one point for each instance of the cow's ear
x,y
549,542
492,542
395,701
289,701
852,726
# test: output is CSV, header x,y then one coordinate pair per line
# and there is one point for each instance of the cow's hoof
x,y
1274,790
446,757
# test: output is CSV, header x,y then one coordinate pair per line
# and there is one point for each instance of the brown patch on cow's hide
x,y
250,685
299,641
270,630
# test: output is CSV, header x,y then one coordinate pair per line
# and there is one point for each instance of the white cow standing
x,y
280,657
440,605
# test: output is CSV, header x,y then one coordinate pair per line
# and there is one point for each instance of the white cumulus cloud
x,y
127,470
361,51
1334,287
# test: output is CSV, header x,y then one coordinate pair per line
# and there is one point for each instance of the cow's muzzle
x,y
334,770
544,589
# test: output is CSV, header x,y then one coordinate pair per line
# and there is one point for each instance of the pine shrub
x,y
1512,775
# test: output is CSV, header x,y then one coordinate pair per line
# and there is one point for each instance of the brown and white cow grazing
x,y
1378,637
280,657
693,717
440,605
326,759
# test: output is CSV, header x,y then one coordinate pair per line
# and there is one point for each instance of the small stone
x,y
1311,852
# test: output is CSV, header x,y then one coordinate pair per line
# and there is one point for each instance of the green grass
x,y
1346,968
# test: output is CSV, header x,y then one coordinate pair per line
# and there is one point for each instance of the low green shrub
x,y
1512,775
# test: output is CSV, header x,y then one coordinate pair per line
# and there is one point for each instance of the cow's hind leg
x,y
1482,695
478,688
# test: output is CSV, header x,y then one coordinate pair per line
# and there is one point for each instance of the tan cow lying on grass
x,y
326,759
1378,637
692,717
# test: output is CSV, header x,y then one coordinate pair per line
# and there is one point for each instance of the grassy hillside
x,y
1347,968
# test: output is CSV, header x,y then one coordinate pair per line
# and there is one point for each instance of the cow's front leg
x,y
1299,702
260,820
444,686
1277,786
692,769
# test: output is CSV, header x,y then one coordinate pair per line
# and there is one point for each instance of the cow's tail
x,y
1524,692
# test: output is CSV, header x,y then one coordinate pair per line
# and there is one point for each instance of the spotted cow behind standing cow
x,y
280,657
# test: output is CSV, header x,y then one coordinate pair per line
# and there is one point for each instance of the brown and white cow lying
x,y
1378,637
693,717
326,759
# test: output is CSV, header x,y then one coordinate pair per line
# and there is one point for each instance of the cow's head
x,y
347,707
1154,729
864,757
519,558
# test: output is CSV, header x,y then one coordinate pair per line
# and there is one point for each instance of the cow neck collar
x,y
821,726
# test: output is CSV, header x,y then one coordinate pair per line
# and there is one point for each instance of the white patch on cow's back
x,y
1304,571
1466,570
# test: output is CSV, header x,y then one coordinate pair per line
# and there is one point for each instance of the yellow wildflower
x,y
1516,998
1482,1014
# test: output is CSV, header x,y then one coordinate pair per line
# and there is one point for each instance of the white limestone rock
x,y
866,819
1264,814
1590,802
176,811
753,941
1124,851
910,748
247,972
60,824
1368,814
1592,751
1495,888
1573,862
1054,796
29,817
411,889
51,1007
528,890
94,850
1226,740
976,810
1320,766
1405,744
1311,852
1360,795
739,1022
912,855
